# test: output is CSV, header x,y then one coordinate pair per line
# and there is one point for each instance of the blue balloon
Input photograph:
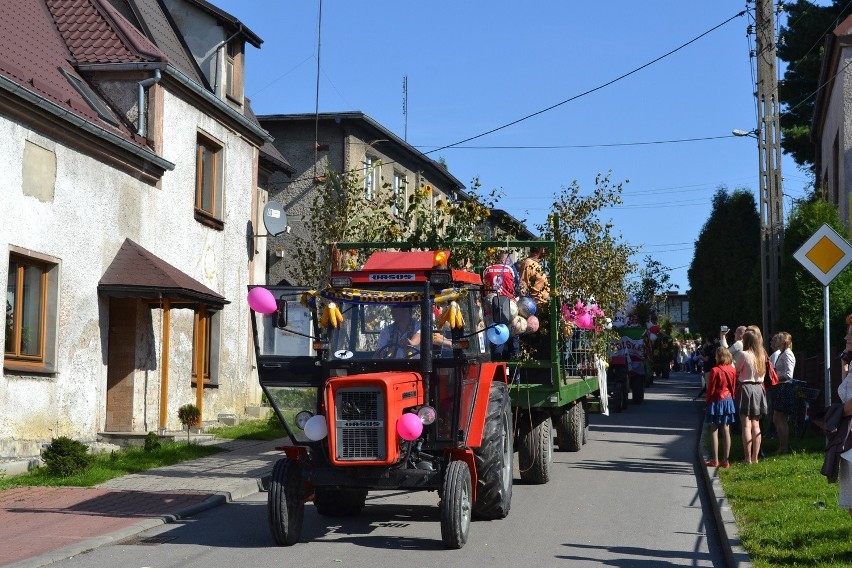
x,y
526,306
498,335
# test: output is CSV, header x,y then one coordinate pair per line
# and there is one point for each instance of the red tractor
x,y
383,381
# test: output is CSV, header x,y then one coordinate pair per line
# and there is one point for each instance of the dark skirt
x,y
783,397
751,400
721,411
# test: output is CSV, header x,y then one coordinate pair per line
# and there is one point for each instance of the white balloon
x,y
316,428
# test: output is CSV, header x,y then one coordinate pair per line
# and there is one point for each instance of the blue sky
x,y
473,66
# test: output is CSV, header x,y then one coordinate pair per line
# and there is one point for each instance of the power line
x,y
592,90
564,146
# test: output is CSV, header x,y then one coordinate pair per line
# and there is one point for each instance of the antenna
x,y
316,108
405,104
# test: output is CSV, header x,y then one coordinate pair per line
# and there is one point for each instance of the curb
x,y
214,500
729,535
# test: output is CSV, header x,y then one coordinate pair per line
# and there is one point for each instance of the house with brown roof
x,y
128,212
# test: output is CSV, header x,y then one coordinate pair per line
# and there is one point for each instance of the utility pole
x,y
769,148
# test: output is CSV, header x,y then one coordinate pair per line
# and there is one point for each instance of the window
x,y
371,175
205,333
233,70
208,181
31,308
399,196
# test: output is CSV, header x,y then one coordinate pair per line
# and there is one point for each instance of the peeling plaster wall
x,y
93,210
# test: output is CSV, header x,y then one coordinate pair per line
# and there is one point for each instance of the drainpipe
x,y
140,101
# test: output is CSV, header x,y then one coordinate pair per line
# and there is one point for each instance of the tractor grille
x,y
360,424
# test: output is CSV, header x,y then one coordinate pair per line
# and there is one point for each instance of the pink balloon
x,y
262,301
585,321
532,324
409,426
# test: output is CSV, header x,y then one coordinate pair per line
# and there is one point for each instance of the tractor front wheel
x,y
285,505
456,505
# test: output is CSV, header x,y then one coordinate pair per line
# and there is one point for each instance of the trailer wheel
x,y
494,458
285,505
339,502
637,385
455,505
535,447
570,428
586,420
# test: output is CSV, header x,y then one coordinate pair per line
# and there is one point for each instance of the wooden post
x,y
164,364
200,347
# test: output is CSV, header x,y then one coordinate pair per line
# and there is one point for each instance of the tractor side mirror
x,y
281,314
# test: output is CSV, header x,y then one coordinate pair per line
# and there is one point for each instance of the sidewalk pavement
x,y
42,525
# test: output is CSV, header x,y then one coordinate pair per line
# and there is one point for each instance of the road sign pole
x,y
826,346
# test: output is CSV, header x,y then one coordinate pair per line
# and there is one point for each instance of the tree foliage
x,y
801,47
724,275
649,288
801,295
341,212
591,260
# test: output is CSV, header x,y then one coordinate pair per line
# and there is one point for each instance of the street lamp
x,y
738,132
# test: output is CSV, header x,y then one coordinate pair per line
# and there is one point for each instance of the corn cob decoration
x,y
331,315
447,295
456,320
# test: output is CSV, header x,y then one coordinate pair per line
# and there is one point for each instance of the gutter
x,y
64,114
140,100
189,84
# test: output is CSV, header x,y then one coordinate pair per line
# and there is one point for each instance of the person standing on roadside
x,y
751,399
844,391
782,395
721,411
737,346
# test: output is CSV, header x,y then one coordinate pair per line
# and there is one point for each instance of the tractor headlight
x,y
302,418
427,415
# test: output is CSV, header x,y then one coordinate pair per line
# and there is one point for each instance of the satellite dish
x,y
274,218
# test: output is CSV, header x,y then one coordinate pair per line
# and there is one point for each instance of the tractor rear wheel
x,y
455,505
494,458
637,385
535,446
570,428
285,505
339,502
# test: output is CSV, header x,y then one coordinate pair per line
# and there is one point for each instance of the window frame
x,y
207,145
44,361
234,71
372,169
208,322
400,186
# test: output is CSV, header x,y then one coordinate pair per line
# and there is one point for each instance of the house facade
x,y
130,192
831,129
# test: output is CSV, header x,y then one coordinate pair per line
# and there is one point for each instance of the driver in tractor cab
x,y
401,339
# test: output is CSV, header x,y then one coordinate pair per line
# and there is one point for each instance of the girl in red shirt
x,y
721,410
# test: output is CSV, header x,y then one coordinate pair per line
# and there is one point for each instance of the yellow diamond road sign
x,y
825,254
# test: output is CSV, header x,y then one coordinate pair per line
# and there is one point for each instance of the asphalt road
x,y
630,498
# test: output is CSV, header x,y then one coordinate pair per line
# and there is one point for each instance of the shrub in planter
x,y
189,415
65,457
